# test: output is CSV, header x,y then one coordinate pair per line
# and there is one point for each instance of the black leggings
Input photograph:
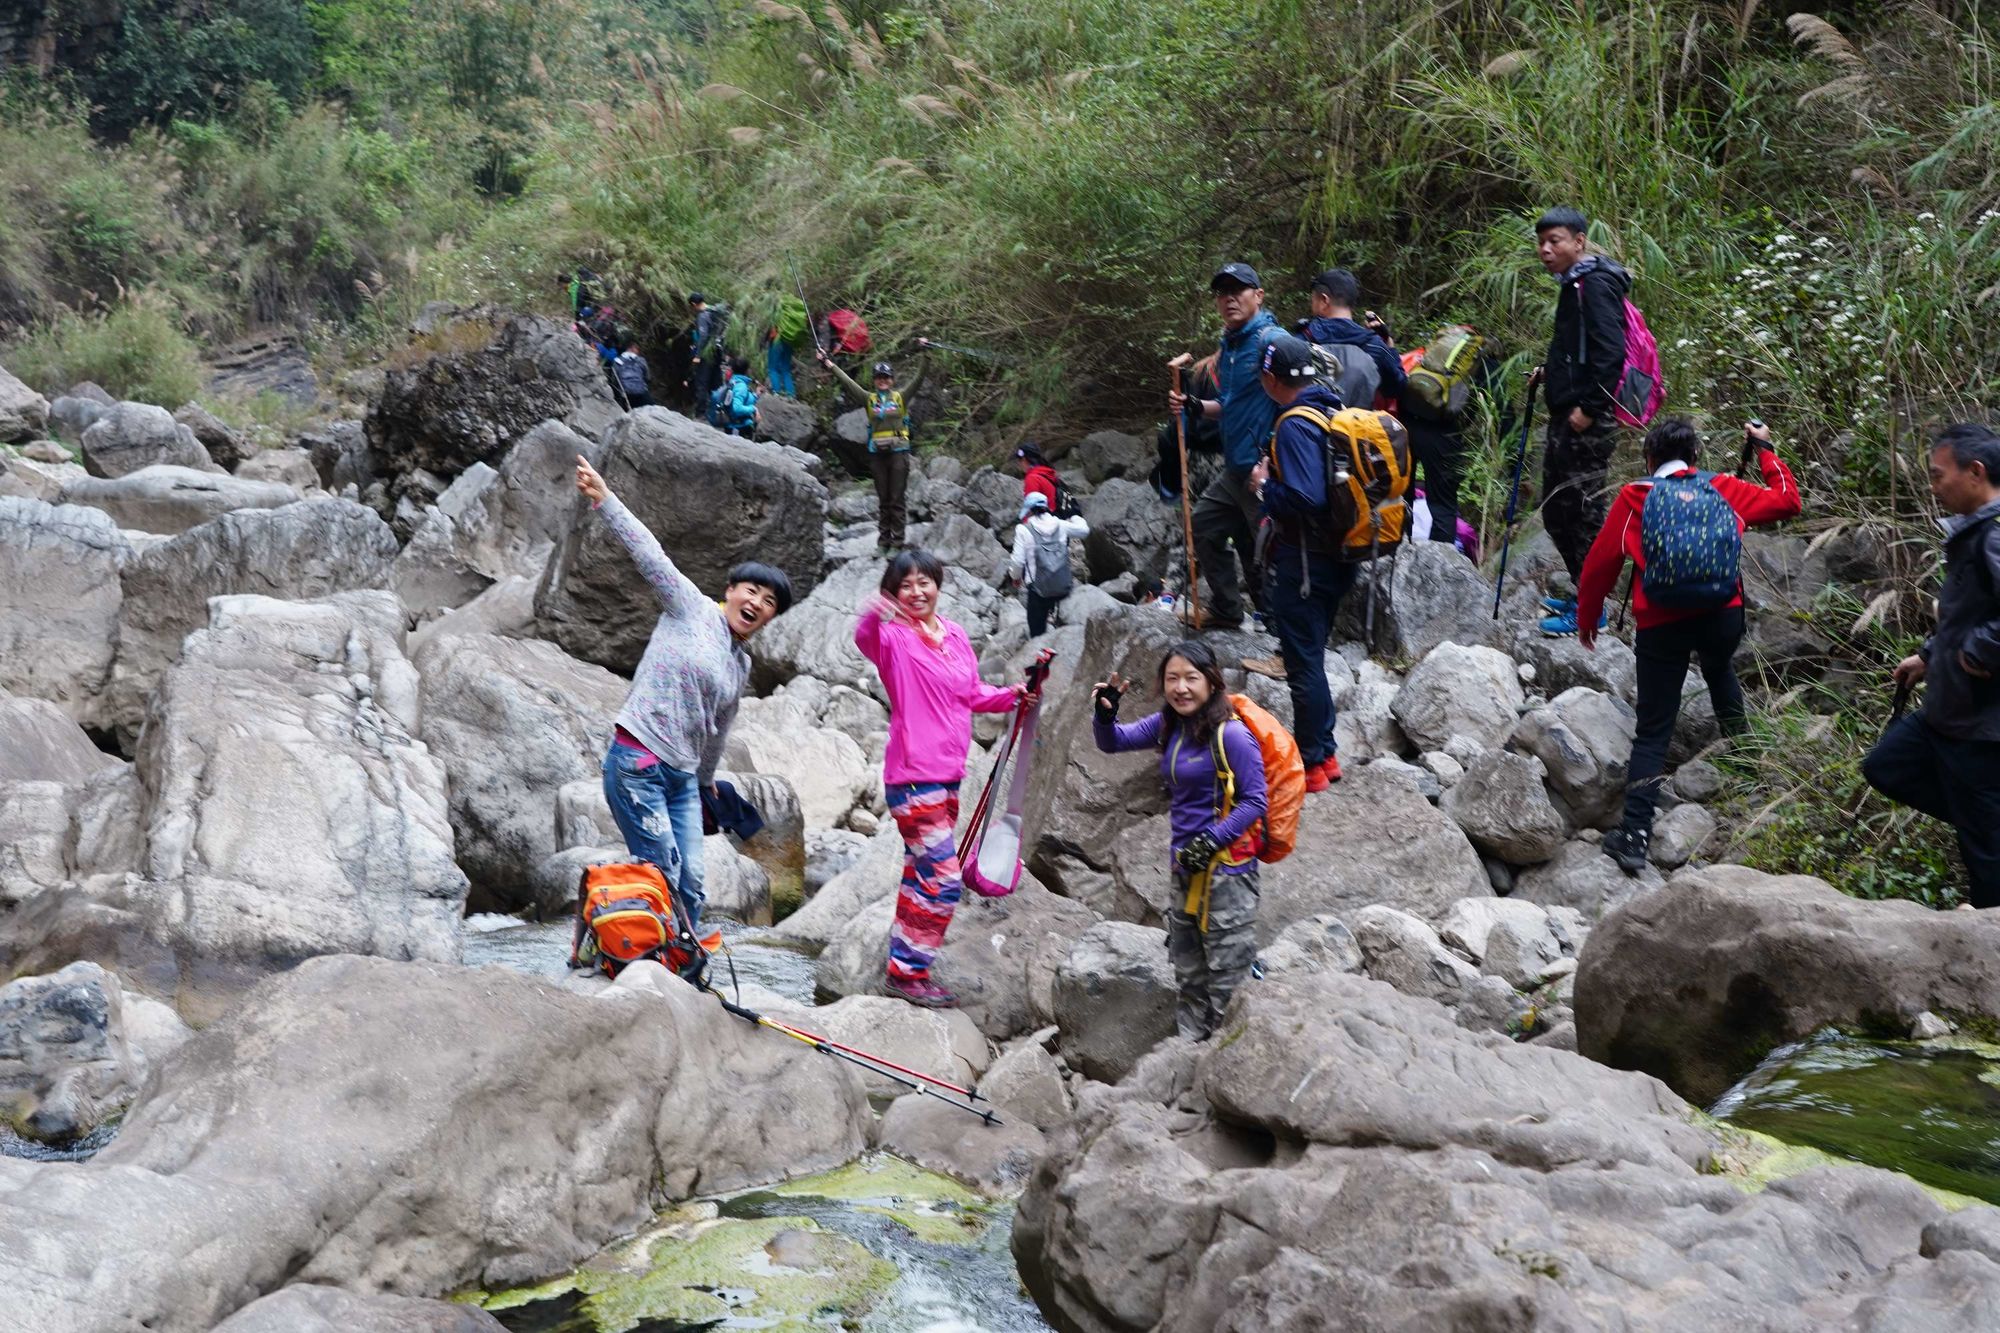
x,y
1663,654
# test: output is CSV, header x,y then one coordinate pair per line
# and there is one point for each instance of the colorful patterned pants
x,y
926,814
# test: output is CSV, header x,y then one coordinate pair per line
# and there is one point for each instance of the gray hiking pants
x,y
1210,967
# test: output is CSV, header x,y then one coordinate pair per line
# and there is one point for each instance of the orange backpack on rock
x,y
625,913
1284,786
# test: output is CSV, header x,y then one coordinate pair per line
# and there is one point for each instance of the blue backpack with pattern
x,y
1692,543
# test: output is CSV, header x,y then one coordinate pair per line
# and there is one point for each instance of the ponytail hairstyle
x,y
1203,725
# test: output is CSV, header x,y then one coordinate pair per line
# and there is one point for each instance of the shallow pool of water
x,y
76,1150
1928,1110
541,949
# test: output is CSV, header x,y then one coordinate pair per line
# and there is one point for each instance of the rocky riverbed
x,y
299,761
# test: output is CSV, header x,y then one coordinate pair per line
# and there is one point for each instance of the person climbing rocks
x,y
1038,475
1687,525
888,444
706,362
634,375
1213,770
1227,513
1040,558
778,363
1371,368
733,405
931,676
1944,759
1438,444
1307,575
671,730
1586,356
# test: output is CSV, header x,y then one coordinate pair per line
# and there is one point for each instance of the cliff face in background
x,y
44,34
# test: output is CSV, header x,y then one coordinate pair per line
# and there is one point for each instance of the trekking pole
x,y
1514,494
811,327
1187,505
1903,689
918,1083
973,352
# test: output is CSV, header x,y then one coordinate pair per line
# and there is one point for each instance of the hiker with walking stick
x,y
1944,759
1213,769
931,676
671,730
1682,530
1227,512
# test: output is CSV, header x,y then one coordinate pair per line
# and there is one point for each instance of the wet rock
x,y
65,1067
712,500
60,596
131,436
1459,691
995,1158
1114,998
497,1141
1584,740
1696,982
1503,805
169,499
24,414
512,721
1581,877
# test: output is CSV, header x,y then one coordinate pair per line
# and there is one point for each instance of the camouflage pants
x,y
1211,966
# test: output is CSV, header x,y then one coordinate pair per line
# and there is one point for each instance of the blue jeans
x,y
1303,621
658,809
778,368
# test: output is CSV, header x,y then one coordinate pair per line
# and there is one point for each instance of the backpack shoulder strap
x,y
1225,776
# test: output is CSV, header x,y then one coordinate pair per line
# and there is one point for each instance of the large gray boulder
x,y
1104,454
1563,664
786,421
307,1308
24,414
1584,740
1696,982
288,467
1425,594
1459,690
711,499
131,436
1115,994
993,1158
306,550
473,382
57,834
513,721
41,743
1783,578
226,446
302,713
1503,805
489,1132
169,499
60,597
1348,1157
1131,531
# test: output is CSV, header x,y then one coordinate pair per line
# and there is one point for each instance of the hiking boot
x,y
1331,768
922,992
1274,667
1628,848
1220,624
1558,605
1564,626
1316,779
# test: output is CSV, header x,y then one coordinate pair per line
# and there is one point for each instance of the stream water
x,y
541,949
1928,1109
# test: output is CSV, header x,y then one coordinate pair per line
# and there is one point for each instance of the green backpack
x,y
1439,385
794,322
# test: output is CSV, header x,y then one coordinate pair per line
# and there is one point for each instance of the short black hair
x,y
1031,454
765,576
739,365
915,560
1564,216
1340,286
1972,442
1673,438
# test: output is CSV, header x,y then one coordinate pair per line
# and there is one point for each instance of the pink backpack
x,y
1641,389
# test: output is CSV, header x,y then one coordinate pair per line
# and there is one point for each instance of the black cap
x,y
696,298
884,370
1289,360
1241,275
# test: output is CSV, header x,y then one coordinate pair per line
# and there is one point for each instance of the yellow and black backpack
x,y
1367,458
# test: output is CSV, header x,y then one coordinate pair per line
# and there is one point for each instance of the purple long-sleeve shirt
x,y
1188,769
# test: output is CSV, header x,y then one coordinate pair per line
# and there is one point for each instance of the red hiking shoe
x,y
1331,768
922,992
1316,777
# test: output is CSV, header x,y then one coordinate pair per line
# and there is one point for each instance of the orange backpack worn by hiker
x,y
625,913
1273,837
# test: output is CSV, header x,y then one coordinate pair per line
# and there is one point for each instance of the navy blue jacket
x,y
1247,411
1296,490
1328,329
1957,703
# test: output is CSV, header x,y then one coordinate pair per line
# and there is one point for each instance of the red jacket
x,y
1777,499
1041,479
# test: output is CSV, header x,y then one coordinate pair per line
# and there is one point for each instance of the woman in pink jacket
x,y
932,678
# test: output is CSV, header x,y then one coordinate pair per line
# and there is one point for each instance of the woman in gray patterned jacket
x,y
671,731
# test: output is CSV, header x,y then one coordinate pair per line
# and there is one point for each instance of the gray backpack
x,y
1349,371
1052,579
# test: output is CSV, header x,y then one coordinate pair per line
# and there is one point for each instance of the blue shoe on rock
x,y
1560,604
1564,626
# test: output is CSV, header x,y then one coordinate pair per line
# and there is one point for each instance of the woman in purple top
x,y
1215,814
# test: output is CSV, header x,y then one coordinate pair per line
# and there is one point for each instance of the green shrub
x,y
135,351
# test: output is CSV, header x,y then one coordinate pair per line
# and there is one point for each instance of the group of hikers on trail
x,y
1311,490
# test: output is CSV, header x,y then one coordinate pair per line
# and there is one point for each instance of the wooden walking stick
x,y
1187,501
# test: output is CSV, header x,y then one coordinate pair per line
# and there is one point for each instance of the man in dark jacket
x,y
1307,578
1334,295
1227,512
706,368
1586,354
1944,759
